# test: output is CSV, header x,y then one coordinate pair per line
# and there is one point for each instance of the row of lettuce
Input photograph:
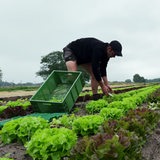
x,y
24,103
115,128
115,89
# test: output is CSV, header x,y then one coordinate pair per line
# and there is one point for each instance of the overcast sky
x,y
30,29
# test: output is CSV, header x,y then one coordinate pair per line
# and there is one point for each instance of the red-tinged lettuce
x,y
21,129
103,146
117,139
142,121
154,97
129,139
51,143
87,125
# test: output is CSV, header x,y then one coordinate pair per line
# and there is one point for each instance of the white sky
x,y
30,29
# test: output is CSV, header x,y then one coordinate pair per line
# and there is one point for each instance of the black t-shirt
x,y
91,50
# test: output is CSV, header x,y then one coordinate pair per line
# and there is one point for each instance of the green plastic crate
x,y
58,93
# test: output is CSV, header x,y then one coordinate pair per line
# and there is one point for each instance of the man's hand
x,y
105,83
105,88
110,89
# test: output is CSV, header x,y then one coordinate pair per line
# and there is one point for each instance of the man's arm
x,y
105,80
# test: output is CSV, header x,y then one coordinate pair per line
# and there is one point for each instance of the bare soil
x,y
15,151
151,150
5,94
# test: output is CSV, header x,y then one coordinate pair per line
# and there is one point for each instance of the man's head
x,y
114,49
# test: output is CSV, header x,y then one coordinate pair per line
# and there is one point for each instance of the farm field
x,y
119,127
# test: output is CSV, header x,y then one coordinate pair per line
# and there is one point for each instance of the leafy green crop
x,y
19,102
2,108
53,143
87,125
4,158
96,106
105,146
141,121
21,129
111,113
65,121
24,103
118,139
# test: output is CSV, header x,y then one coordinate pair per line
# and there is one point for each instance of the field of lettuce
x,y
116,127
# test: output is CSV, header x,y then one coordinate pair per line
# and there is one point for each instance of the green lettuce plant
x,y
21,129
111,113
2,108
4,158
24,103
96,106
64,121
51,143
87,125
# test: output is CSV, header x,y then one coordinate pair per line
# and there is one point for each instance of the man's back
x,y
84,49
